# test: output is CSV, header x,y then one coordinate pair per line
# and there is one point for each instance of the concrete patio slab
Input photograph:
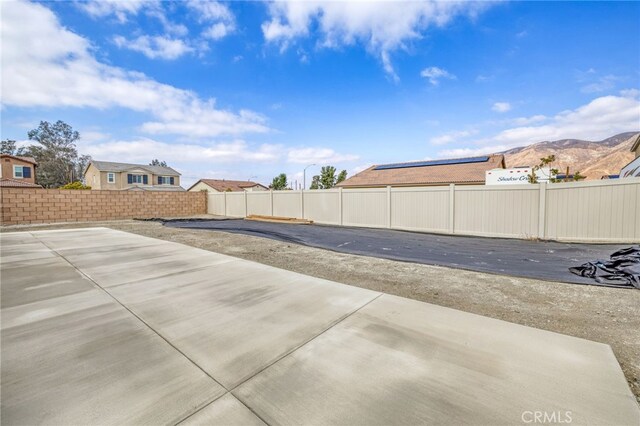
x,y
227,411
398,361
72,355
237,318
160,333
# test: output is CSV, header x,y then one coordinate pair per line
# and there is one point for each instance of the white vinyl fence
x,y
595,211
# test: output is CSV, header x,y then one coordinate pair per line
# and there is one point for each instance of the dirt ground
x,y
601,314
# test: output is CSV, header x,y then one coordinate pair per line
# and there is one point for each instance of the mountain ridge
x,y
592,159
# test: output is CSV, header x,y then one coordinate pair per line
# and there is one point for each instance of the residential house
x,y
633,168
635,148
460,171
18,172
106,175
16,183
222,185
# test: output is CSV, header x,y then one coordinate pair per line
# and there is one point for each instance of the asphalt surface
x,y
546,260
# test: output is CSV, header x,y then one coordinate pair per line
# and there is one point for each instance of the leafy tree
x,y
81,164
55,151
577,176
279,182
327,178
156,162
544,162
8,147
75,185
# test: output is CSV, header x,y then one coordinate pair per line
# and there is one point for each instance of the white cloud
x,y
524,121
217,31
144,149
220,19
46,65
602,117
449,137
435,74
319,156
118,8
472,152
155,47
601,84
382,27
501,107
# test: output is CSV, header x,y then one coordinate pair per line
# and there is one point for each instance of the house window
x,y
111,178
137,179
165,180
20,172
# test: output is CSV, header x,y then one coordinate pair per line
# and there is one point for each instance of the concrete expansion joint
x,y
129,310
228,391
289,352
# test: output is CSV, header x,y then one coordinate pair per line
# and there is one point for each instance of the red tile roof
x,y
16,183
418,173
223,185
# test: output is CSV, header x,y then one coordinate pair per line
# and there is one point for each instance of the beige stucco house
x,y
223,185
126,177
18,169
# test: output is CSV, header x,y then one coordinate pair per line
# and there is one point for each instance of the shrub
x,y
75,185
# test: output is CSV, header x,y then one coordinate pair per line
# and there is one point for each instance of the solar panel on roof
x,y
433,163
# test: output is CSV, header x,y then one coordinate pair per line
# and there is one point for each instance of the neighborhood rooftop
x,y
18,157
469,170
17,183
108,166
223,185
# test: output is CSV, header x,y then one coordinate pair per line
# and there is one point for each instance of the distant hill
x,y
592,159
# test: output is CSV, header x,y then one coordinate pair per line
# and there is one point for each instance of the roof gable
x,y
17,157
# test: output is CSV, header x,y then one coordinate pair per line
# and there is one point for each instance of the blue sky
x,y
243,90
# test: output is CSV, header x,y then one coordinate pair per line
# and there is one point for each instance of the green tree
x,y
279,182
327,178
577,176
156,162
8,147
56,154
81,164
544,162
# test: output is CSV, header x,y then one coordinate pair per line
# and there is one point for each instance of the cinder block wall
x,y
28,205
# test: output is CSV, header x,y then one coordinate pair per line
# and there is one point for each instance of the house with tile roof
x,y
459,171
223,185
15,183
18,171
107,175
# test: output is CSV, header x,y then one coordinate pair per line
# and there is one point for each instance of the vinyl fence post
x,y
302,204
388,206
224,205
340,205
542,211
271,191
246,210
452,206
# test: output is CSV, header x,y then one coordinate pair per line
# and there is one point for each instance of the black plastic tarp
x,y
621,270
